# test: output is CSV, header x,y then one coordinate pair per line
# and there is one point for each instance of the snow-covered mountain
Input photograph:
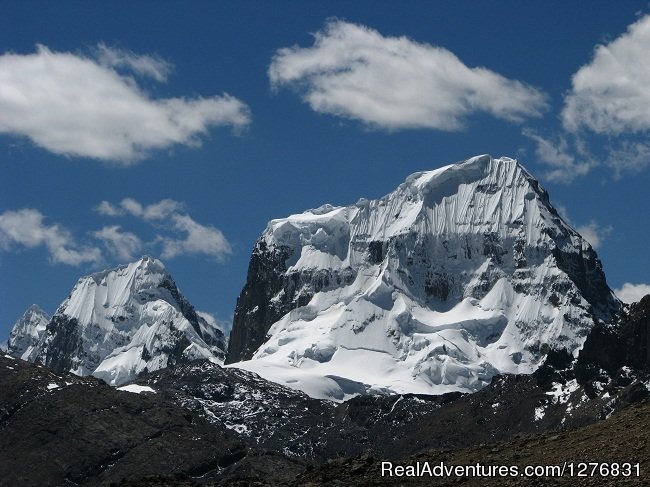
x,y
459,274
118,323
27,333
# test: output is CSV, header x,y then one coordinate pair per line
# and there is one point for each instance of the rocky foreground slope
x,y
61,429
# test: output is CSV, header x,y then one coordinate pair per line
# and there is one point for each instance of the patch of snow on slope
x,y
135,388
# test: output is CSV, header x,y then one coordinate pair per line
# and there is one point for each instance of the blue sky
x,y
179,130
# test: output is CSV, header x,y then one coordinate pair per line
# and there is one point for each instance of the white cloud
x,y
177,233
198,239
129,206
145,65
182,234
594,233
74,105
26,228
631,293
611,94
565,161
396,83
122,245
629,156
107,209
609,97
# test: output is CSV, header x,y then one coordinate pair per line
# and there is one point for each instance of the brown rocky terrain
x,y
624,437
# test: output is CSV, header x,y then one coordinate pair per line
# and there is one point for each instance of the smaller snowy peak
x,y
146,269
120,322
28,332
112,289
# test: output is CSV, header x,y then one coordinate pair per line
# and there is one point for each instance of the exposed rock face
x,y
265,280
461,273
624,342
118,323
268,280
260,412
27,333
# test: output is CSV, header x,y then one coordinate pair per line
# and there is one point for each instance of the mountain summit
x,y
27,333
461,273
118,323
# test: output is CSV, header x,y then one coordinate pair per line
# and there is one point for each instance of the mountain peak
x,y
476,166
460,273
28,332
144,265
35,309
122,321
151,263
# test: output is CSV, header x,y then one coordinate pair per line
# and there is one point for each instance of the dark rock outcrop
x,y
624,342
269,293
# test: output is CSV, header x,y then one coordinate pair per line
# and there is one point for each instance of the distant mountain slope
x,y
459,274
118,323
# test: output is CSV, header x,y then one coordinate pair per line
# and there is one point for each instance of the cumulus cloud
x,y
594,233
179,233
396,83
26,228
606,113
629,156
197,239
631,293
566,163
610,97
122,245
75,105
176,234
129,206
611,94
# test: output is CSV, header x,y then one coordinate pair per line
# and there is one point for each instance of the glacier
x,y
460,274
